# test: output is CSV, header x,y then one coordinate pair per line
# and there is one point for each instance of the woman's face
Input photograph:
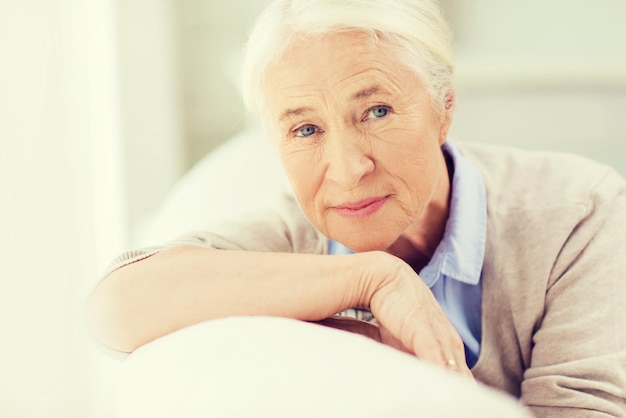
x,y
358,138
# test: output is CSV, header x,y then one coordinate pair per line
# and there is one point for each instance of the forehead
x,y
340,66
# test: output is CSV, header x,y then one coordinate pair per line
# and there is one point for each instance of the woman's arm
x,y
186,285
578,364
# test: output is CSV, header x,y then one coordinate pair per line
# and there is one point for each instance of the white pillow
x,y
277,367
241,176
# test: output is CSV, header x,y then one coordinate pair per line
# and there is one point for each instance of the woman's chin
x,y
363,242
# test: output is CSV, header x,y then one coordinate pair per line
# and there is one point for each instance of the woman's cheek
x,y
304,174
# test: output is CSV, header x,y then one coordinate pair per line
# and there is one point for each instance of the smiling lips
x,y
362,208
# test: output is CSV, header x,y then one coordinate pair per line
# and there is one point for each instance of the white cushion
x,y
243,175
276,367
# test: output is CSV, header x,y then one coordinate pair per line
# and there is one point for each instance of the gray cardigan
x,y
554,277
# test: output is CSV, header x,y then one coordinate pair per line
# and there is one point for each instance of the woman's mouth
x,y
362,208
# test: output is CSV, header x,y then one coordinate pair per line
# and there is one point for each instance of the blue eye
x,y
378,112
305,131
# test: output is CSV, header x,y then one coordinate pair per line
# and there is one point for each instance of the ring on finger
x,y
450,363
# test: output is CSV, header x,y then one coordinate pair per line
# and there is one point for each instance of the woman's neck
x,y
418,242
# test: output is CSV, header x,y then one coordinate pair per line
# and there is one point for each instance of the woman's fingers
x,y
436,340
411,319
450,356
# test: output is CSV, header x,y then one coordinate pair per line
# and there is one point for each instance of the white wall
x,y
543,75
151,114
60,197
210,36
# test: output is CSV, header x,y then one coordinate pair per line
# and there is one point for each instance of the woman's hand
x,y
409,316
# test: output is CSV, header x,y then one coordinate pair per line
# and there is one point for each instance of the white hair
x,y
416,26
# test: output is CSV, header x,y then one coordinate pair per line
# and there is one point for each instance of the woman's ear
x,y
448,111
450,101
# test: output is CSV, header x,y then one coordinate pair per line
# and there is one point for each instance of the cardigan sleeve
x,y
578,359
282,229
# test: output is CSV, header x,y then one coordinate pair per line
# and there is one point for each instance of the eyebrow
x,y
294,112
367,92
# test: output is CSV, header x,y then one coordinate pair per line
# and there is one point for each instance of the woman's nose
x,y
348,160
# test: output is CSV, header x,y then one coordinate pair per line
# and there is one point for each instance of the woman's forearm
x,y
186,285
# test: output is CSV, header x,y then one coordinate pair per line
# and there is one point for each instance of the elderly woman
x,y
496,263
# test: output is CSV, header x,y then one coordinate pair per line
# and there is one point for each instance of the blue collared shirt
x,y
453,273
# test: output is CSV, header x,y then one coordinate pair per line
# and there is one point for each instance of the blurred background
x,y
105,104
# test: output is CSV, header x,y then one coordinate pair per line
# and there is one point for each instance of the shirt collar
x,y
460,253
